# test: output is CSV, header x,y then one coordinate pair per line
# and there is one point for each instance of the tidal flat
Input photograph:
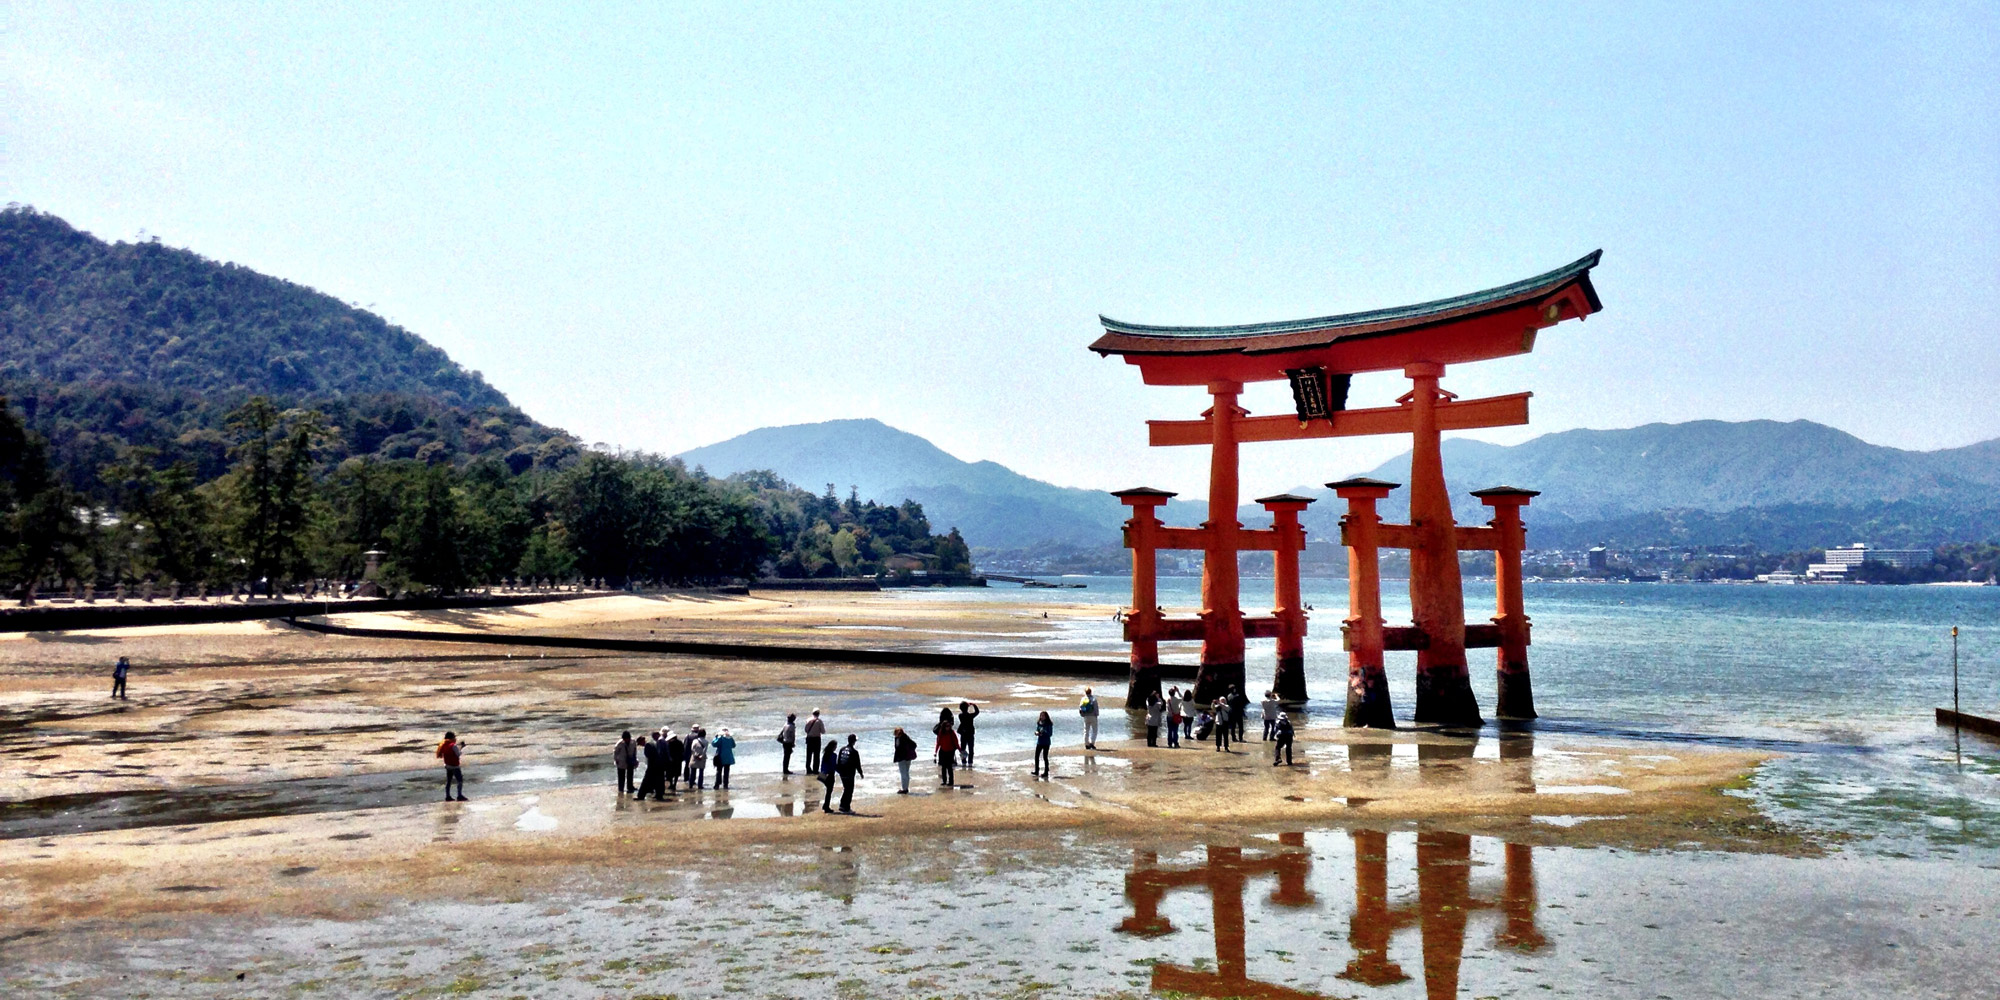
x,y
277,832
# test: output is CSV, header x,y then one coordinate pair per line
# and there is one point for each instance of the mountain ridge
x,y
1684,482
106,347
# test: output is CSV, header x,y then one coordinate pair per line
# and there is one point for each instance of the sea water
x,y
1840,682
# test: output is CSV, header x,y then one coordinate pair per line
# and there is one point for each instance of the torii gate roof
x,y
1493,323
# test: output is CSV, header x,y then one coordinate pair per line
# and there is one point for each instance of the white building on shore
x,y
1839,561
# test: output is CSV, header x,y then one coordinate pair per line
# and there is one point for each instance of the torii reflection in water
x,y
1440,911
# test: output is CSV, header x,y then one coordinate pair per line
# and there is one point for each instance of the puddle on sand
x,y
538,772
93,812
535,820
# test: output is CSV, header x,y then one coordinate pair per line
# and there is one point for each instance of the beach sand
x,y
226,709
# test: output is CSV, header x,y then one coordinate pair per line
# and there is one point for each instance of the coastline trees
x,y
280,513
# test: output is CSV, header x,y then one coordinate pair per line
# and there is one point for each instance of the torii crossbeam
x,y
1320,357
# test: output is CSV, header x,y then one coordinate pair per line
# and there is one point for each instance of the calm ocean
x,y
1841,681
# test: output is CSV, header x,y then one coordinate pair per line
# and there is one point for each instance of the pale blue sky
x,y
662,228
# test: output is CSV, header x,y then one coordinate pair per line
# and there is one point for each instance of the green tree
x,y
174,519
273,487
40,534
954,556
547,555
430,533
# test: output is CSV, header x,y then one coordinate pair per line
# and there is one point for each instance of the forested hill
x,y
109,345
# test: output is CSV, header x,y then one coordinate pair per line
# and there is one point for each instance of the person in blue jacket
x,y
725,757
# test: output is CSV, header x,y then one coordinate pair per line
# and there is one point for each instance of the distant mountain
x,y
109,345
1778,485
1775,485
992,505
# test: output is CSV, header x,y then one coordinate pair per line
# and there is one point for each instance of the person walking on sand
x,y
967,712
947,748
449,752
725,757
118,672
906,754
1175,706
1088,709
1271,710
1045,733
697,758
673,759
827,766
1223,726
624,757
1156,713
815,731
1281,730
787,738
849,766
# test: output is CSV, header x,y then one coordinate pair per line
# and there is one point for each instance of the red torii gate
x,y
1320,357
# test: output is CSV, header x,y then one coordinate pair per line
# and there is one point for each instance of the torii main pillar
x,y
1437,590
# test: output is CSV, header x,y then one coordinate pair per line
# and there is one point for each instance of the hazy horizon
x,y
662,228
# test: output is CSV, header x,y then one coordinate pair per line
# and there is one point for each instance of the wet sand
x,y
306,844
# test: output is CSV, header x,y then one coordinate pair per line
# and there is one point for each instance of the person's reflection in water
x,y
840,874
447,825
785,807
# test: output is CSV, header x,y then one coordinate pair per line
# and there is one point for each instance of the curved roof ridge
x,y
1417,312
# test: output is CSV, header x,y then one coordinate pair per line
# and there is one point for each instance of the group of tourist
x,y
671,759
1222,720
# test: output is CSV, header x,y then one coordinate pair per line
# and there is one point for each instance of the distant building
x,y
1856,554
1600,559
1840,561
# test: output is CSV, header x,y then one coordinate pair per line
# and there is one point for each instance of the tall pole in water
x,y
1955,754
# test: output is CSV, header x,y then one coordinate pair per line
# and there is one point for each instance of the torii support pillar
x,y
1367,682
1289,682
1142,625
1517,694
1437,597
1221,607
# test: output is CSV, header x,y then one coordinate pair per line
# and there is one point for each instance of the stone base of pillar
x,y
1289,682
1517,693
1144,681
1368,699
1214,680
1444,696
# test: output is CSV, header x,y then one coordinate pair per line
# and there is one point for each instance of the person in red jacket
x,y
449,751
947,748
